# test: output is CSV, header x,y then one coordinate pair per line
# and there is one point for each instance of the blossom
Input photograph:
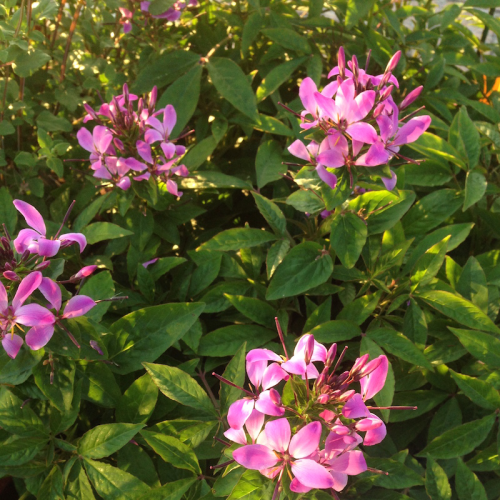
x,y
98,143
126,19
35,240
276,446
299,365
84,272
38,336
19,314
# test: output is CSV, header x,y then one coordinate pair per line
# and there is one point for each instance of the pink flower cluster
x,y
130,142
356,122
313,431
171,14
22,270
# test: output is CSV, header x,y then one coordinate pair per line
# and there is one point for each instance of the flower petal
x,y
144,150
295,365
236,435
298,149
169,119
266,406
75,238
31,215
375,436
239,412
376,155
351,462
34,315
306,441
363,132
102,138
48,248
297,487
38,336
374,381
355,408
27,286
51,291
255,456
12,344
254,424
78,306
327,177
412,130
307,90
85,140
278,434
332,158
152,135
363,103
273,374
312,474
261,355
327,107
24,239
4,299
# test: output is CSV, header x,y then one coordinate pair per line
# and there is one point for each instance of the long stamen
x,y
70,335
341,357
65,218
222,379
377,471
280,333
413,113
212,467
392,407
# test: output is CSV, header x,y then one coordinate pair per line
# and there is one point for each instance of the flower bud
x,y
153,95
412,96
5,243
355,68
347,395
386,93
323,399
385,78
359,364
321,380
330,355
369,367
11,275
84,272
309,349
119,145
43,265
378,110
341,62
275,397
8,266
90,111
25,255
393,62
96,347
125,91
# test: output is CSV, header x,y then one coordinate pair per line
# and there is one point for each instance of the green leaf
x,y
271,212
6,128
180,387
399,475
469,138
436,72
100,386
170,491
78,486
252,486
475,187
305,201
272,125
472,284
60,392
459,441
52,487
349,233
207,180
357,10
477,390
138,402
485,4
434,146
135,460
257,310
230,81
268,166
430,211
163,265
158,7
467,484
459,309
415,324
425,401
275,256
226,341
336,331
303,268
106,439
8,213
99,286
27,63
430,263
112,483
16,419
436,482
22,450
183,94
101,231
491,22
235,371
206,272
359,310
190,432
51,123
276,77
396,343
289,39
237,238
172,451
145,334
482,346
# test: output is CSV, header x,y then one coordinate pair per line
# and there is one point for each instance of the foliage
x,y
412,273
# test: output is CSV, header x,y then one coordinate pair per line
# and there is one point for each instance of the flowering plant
x,y
341,122
122,144
321,407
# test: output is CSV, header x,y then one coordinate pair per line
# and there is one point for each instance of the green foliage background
x,y
412,273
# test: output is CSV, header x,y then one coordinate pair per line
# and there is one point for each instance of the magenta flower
x,y
276,450
253,425
149,262
35,241
98,143
84,272
307,91
19,314
38,336
126,19
161,131
113,169
301,363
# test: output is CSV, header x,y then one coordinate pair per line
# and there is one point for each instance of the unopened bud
x,y
309,349
369,367
90,111
153,95
323,399
341,62
386,93
8,266
359,363
385,78
378,110
347,395
140,106
275,397
330,355
96,347
321,380
355,68
84,272
411,97
43,265
5,243
25,255
119,145
11,275
125,91
393,62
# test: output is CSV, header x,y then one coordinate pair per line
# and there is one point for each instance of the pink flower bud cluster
x,y
173,13
313,429
129,142
22,261
355,121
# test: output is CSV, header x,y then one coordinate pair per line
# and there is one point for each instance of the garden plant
x,y
250,250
